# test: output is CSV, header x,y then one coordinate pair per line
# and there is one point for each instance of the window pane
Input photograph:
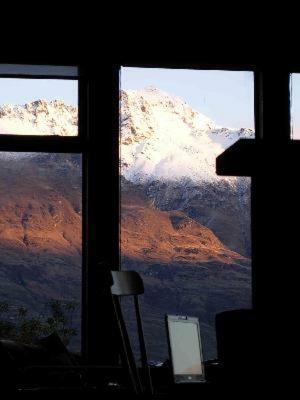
x,y
295,106
41,245
183,228
38,107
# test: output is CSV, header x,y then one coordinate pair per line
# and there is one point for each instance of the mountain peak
x,y
164,138
39,117
152,88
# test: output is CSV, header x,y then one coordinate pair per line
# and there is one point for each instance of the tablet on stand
x,y
185,349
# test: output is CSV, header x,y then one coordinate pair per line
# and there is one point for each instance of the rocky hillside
x,y
40,230
186,270
151,235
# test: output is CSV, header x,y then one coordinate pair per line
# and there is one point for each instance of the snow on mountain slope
x,y
39,118
163,138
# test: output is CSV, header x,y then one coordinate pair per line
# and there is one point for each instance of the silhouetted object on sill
x,y
129,283
9,373
19,363
237,345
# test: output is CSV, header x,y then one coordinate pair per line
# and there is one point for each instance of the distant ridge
x,y
39,117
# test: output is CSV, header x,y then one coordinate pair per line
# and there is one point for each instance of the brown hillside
x,y
40,230
150,234
39,220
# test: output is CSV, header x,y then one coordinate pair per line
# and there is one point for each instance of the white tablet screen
x,y
185,347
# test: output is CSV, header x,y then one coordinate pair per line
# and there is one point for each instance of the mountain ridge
x,y
39,117
163,138
151,235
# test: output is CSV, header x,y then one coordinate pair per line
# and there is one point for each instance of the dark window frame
x,y
59,144
98,260
99,153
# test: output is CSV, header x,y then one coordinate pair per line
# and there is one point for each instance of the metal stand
x,y
129,283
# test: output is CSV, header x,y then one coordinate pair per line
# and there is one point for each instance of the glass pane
x,y
295,106
38,107
183,228
41,246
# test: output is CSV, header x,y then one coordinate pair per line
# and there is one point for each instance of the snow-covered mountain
x,y
169,149
163,138
39,118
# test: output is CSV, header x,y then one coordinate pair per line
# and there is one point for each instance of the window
x,y
295,106
38,107
183,228
40,203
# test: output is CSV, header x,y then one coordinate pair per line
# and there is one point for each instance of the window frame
x,y
258,128
60,144
98,260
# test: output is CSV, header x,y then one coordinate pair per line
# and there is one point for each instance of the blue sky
x,y
227,97
21,91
